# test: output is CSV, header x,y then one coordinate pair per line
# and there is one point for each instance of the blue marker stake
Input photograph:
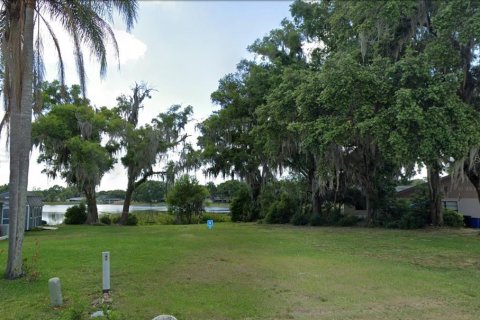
x,y
210,224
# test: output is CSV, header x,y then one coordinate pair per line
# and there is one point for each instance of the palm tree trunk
x,y
20,130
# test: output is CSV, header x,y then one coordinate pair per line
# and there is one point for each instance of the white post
x,y
106,271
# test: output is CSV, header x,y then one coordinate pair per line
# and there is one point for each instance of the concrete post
x,y
55,292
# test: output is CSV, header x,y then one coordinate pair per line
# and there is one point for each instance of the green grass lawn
x,y
247,271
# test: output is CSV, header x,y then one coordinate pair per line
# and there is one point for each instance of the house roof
x,y
33,199
450,188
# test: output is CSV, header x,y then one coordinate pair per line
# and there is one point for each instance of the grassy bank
x,y
244,271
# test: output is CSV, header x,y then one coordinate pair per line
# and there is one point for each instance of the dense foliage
x,y
347,97
76,214
151,191
70,139
145,146
185,199
350,97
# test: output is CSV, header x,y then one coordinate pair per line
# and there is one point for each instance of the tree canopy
x,y
386,87
146,146
70,140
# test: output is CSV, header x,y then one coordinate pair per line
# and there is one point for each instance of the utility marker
x,y
55,292
106,271
210,224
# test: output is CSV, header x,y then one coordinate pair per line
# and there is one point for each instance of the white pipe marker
x,y
106,271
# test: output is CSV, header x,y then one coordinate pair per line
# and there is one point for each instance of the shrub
x,y
300,219
452,218
417,214
282,210
392,224
242,206
348,221
76,214
390,216
131,220
186,198
115,218
317,220
105,219
331,214
413,219
328,217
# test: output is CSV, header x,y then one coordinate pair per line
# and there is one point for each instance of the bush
x,y
186,198
105,219
317,220
390,216
282,210
393,224
115,218
302,217
242,206
131,220
330,216
403,214
348,221
452,218
413,219
76,214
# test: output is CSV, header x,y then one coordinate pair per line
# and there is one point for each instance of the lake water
x,y
54,214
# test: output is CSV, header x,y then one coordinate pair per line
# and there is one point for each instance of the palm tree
x,y
86,22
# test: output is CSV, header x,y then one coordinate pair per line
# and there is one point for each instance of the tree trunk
x,y
474,179
315,198
126,203
92,214
371,202
131,186
436,213
317,202
369,208
256,188
20,100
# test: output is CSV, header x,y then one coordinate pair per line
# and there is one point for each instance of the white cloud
x,y
131,48
102,92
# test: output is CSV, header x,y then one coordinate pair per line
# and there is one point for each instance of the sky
x,y
180,48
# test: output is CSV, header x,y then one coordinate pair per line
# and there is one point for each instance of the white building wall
x,y
467,206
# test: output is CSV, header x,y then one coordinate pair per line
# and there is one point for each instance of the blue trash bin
x,y
475,223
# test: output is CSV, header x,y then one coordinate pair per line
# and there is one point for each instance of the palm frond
x,y
61,67
38,70
79,62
